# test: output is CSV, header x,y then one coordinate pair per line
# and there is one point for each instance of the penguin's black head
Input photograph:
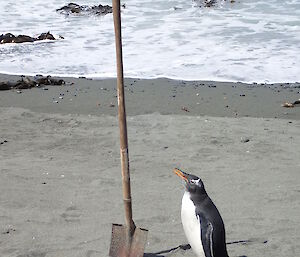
x,y
193,184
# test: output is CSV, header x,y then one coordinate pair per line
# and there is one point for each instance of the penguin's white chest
x,y
191,225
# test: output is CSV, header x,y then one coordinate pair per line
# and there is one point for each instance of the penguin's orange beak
x,y
180,174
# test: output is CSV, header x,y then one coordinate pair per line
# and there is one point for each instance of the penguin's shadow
x,y
186,247
162,253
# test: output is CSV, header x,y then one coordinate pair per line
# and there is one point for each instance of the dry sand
x,y
60,186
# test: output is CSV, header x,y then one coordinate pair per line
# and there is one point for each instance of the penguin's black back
x,y
212,227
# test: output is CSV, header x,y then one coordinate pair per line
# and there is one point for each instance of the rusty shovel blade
x,y
120,246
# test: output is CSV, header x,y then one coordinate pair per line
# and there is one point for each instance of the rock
x,y
49,81
73,8
22,39
288,105
26,83
11,38
183,108
206,3
70,8
245,140
6,38
209,3
296,102
5,86
44,36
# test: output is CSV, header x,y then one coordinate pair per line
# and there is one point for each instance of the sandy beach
x,y
60,176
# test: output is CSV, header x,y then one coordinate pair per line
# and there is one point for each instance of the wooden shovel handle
x,y
122,119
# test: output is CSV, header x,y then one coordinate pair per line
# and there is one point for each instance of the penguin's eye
x,y
194,182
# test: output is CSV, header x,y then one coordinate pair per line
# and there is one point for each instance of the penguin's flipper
x,y
207,236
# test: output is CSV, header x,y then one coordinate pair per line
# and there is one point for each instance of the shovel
x,y
126,240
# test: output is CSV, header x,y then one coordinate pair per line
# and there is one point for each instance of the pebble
x,y
8,231
288,105
245,140
185,109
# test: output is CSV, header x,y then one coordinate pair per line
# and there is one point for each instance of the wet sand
x,y
165,96
60,181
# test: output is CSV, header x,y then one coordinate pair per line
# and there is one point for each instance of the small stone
x,y
288,105
185,109
296,102
245,140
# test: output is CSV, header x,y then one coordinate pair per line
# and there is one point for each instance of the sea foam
x,y
248,41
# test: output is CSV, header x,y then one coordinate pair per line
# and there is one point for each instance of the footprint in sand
x,y
71,214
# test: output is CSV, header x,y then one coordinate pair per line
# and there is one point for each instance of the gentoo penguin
x,y
201,220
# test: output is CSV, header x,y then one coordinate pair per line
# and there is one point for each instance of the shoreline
x,y
113,76
163,95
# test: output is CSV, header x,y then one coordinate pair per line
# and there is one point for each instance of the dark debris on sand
x,y
37,81
73,8
11,38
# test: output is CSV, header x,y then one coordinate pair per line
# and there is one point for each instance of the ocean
x,y
245,40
